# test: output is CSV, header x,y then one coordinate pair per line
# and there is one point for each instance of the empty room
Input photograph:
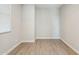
x,y
39,29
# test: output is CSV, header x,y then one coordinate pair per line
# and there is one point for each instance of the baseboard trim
x,y
70,46
29,41
6,53
47,37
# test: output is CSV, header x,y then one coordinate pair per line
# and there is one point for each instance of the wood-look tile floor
x,y
43,47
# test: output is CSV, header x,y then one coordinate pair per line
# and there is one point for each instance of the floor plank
x,y
43,47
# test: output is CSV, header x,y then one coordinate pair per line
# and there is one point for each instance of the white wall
x,y
5,18
28,23
47,23
70,25
10,39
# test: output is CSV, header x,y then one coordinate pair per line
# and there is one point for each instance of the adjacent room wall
x,y
47,23
28,23
10,39
70,25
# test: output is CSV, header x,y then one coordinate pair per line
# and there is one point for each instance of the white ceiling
x,y
48,5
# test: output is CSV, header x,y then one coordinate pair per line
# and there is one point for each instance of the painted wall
x,y
5,18
70,25
47,23
10,39
28,23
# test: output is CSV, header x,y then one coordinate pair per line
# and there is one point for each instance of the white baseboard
x,y
47,37
29,41
6,53
71,47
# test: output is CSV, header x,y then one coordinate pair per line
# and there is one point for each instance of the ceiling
x,y
48,5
